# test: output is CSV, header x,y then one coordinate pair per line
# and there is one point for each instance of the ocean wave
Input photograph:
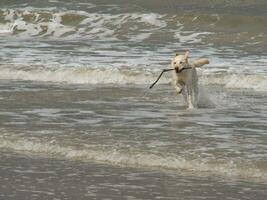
x,y
226,168
125,75
78,75
70,24
257,82
135,26
56,23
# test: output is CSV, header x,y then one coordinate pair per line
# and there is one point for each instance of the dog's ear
x,y
186,55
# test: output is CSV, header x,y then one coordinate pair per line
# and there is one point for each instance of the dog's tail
x,y
201,62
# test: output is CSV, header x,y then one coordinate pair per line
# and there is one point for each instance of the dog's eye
x,y
181,62
174,63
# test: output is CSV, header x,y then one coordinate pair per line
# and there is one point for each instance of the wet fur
x,y
186,82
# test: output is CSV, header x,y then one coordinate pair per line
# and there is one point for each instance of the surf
x,y
228,168
84,74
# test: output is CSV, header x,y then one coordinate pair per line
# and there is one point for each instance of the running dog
x,y
185,77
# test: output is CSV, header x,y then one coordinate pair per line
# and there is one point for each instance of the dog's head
x,y
180,61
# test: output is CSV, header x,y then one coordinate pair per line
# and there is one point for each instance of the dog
x,y
186,79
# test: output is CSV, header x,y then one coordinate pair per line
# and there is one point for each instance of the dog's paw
x,y
191,107
179,89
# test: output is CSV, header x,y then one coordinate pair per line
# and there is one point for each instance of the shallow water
x,y
147,130
76,111
48,178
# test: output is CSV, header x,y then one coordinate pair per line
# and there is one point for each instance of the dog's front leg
x,y
178,87
181,90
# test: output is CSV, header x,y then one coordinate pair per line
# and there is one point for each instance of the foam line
x,y
227,168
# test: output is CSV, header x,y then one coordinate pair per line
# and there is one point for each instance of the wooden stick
x,y
166,70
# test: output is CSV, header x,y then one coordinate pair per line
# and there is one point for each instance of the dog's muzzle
x,y
177,70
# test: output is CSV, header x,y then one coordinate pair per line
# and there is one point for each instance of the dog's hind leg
x,y
190,100
195,89
184,93
195,93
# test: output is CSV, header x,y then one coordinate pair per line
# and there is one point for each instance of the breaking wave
x,y
125,75
55,23
229,169
79,75
257,82
92,25
135,26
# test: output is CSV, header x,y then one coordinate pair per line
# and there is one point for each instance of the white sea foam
x,y
153,19
189,36
226,168
122,75
257,82
55,23
7,28
39,22
79,75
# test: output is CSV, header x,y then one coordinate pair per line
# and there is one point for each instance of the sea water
x,y
77,120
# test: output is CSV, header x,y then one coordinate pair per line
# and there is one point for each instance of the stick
x,y
165,70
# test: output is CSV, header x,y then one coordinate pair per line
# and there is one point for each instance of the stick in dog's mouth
x,y
166,70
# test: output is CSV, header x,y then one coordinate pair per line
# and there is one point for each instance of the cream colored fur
x,y
186,82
